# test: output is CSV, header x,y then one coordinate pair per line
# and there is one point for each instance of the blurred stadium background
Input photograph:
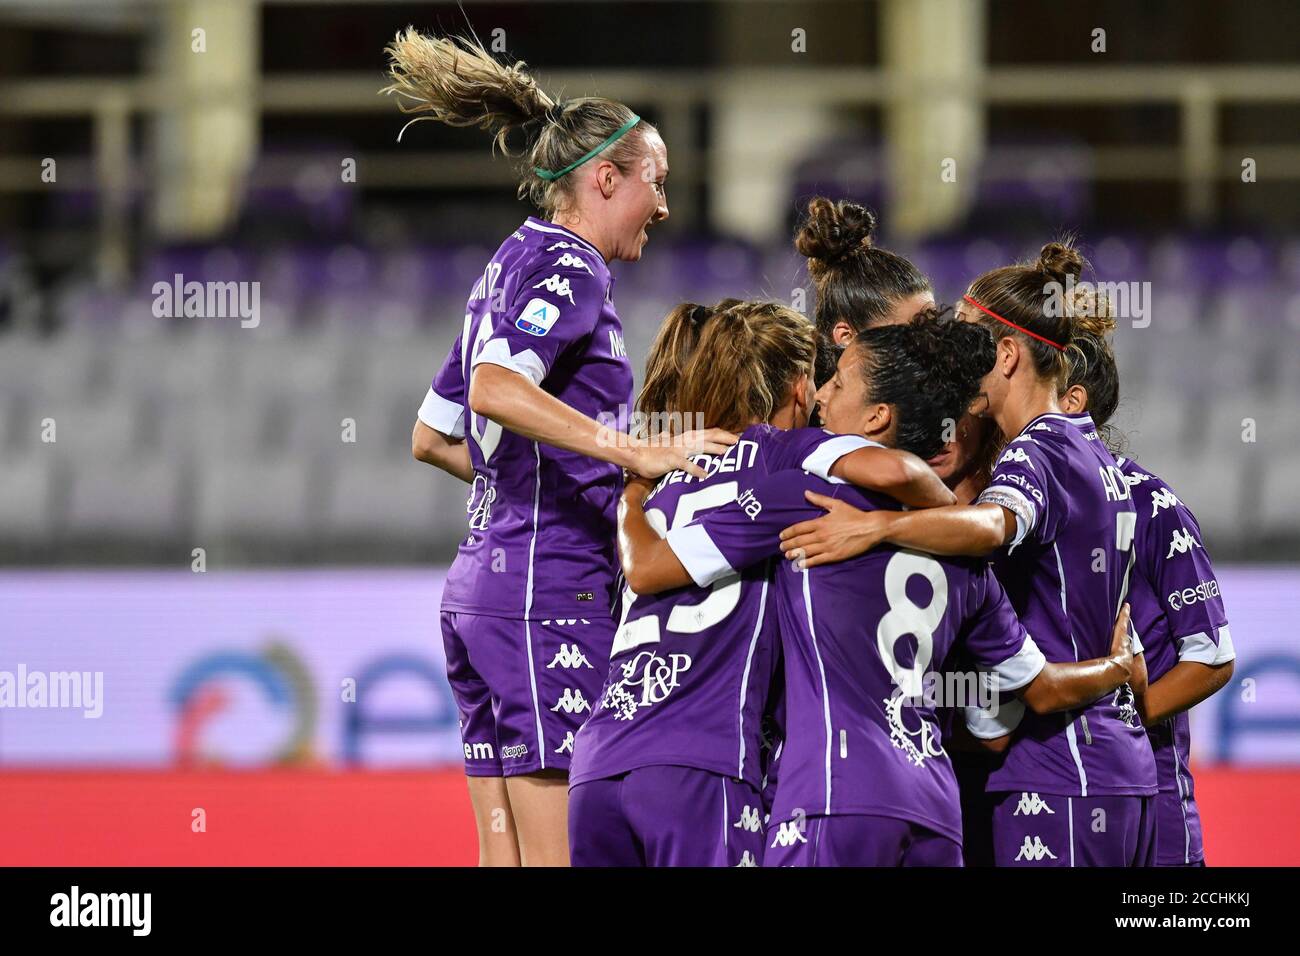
x,y
244,141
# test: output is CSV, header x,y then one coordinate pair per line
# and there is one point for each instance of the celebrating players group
x,y
881,588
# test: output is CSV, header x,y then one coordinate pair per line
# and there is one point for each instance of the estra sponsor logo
x,y
1189,596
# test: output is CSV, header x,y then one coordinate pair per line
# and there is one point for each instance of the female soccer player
x,y
864,778
666,770
1177,610
540,357
1059,519
857,284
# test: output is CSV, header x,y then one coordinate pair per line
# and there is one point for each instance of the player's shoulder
x,y
1143,484
543,248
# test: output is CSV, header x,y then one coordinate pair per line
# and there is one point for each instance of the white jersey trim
x,y
744,679
698,554
526,363
826,693
822,459
1201,649
442,415
1026,514
538,227
987,725
1021,667
528,606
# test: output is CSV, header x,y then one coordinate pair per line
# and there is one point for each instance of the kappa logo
x,y
1031,804
566,746
1034,849
789,833
571,702
558,285
514,752
1136,478
569,656
562,245
1181,543
569,260
747,859
750,820
1017,455
566,621
1163,498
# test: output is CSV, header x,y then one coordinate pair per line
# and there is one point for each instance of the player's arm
x,y
1195,616
442,451
649,564
720,543
845,532
1065,686
899,474
518,404
1184,686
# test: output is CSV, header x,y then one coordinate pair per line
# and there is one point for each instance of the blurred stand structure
x,y
232,141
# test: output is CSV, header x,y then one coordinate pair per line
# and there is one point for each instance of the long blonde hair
x,y
734,366
454,80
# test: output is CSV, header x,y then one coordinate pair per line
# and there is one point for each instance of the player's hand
x,y
843,532
652,459
1121,645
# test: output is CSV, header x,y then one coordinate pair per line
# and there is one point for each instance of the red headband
x,y
1018,328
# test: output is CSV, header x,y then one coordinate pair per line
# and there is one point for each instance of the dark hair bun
x,y
832,230
1059,260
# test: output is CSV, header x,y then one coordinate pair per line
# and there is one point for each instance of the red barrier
x,y
322,818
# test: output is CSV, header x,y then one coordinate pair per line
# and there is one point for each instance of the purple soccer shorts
x,y
523,688
857,839
665,816
1032,829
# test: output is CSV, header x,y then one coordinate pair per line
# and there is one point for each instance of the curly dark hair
x,y
929,370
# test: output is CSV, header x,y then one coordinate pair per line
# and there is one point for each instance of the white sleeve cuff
x,y
1199,649
1015,501
526,363
822,458
998,721
1136,642
698,554
442,415
1021,668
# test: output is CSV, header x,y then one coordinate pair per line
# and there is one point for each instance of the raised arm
x,y
899,474
515,402
649,564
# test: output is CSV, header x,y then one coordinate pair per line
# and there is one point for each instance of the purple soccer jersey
x,y
692,669
543,308
1067,573
1179,614
863,641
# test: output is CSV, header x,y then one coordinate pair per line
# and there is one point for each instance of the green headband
x,y
552,176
